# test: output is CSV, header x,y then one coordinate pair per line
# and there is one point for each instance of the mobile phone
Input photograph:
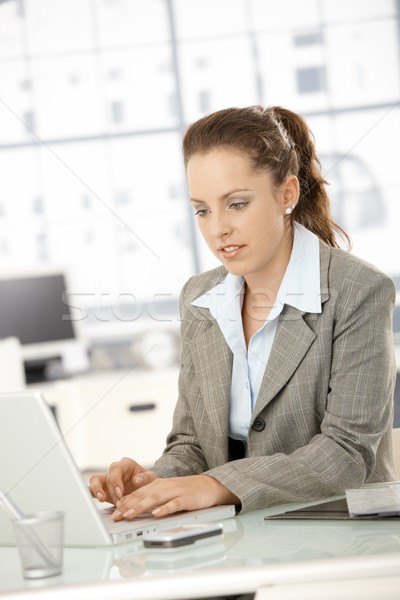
x,y
183,536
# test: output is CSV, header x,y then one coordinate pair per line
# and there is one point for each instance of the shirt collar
x,y
300,286
222,297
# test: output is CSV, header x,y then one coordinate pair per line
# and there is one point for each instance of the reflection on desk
x,y
250,546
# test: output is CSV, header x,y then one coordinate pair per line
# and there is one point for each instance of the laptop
x,y
39,473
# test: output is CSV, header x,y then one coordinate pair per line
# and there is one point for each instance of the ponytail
x,y
276,140
313,207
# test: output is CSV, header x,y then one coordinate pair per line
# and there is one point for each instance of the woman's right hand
x,y
122,478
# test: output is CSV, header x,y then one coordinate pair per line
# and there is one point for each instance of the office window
x,y
166,67
20,8
171,102
117,112
86,201
114,74
37,205
123,197
113,84
310,80
175,191
204,101
41,247
26,84
202,62
89,237
307,39
74,79
29,121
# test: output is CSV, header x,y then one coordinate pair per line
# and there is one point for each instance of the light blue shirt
x,y
300,287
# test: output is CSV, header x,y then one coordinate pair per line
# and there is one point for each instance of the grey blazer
x,y
323,417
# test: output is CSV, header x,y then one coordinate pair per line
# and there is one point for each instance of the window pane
x,y
310,80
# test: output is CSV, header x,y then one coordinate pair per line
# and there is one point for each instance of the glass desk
x,y
252,553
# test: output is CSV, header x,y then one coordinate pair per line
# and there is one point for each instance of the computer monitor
x,y
34,308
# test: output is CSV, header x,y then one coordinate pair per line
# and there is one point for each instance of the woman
x,y
287,377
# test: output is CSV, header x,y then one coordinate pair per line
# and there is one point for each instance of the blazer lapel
x,y
292,340
212,361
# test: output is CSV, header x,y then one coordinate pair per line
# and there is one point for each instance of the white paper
x,y
379,501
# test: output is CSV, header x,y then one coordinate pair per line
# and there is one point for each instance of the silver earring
x,y
289,210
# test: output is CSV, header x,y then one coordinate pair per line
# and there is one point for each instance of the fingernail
x,y
118,492
155,511
129,512
99,496
118,503
139,479
116,514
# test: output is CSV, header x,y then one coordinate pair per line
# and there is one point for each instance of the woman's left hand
x,y
164,496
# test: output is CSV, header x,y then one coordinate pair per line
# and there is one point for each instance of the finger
x,y
118,472
114,482
97,487
173,506
130,507
143,500
144,479
120,476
